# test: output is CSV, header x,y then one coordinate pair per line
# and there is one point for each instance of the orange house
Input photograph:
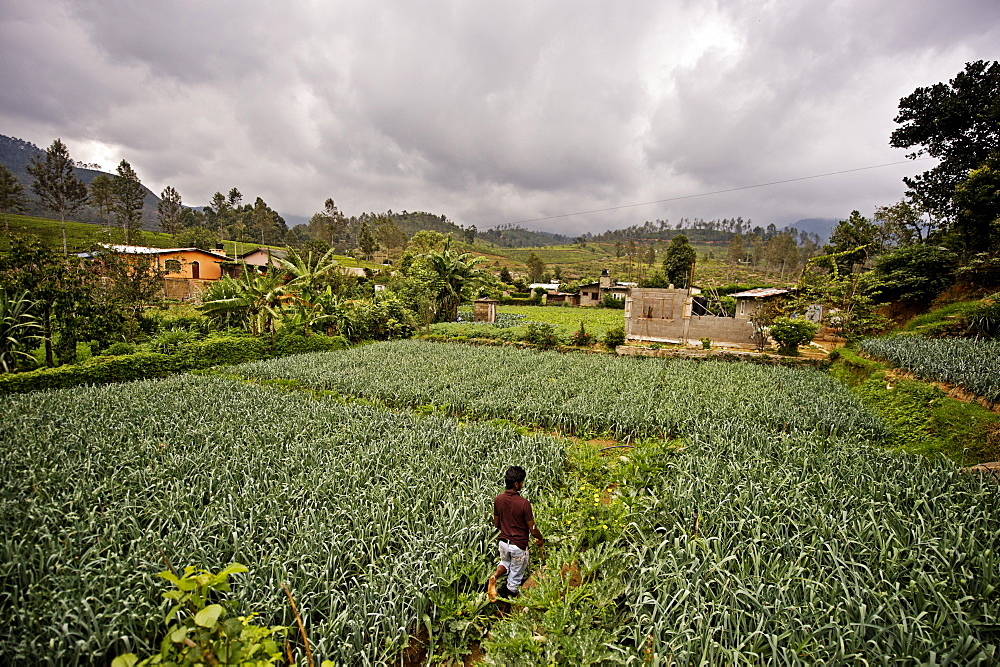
x,y
185,263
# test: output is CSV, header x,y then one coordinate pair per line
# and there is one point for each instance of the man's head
x,y
514,476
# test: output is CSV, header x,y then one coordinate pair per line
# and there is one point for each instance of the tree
x,y
329,224
169,211
735,251
678,259
915,274
12,198
367,241
56,183
388,233
102,197
197,237
131,282
219,212
469,233
958,123
452,273
789,333
977,209
536,268
505,276
129,197
854,241
902,224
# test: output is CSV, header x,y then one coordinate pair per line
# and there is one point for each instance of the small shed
x,y
485,310
749,301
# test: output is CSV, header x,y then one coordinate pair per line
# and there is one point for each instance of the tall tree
x,y
169,211
102,197
735,252
854,241
220,212
536,267
902,224
958,123
56,183
678,259
367,241
12,198
977,209
129,197
329,224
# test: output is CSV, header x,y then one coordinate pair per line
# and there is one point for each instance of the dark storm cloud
x,y
490,113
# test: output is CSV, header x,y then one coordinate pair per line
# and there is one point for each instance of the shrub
x,y
221,351
581,338
789,333
118,349
614,337
541,334
612,302
297,343
97,370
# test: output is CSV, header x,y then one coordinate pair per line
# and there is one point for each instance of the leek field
x,y
753,519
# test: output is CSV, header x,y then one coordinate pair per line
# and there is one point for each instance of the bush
x,y
581,338
614,337
612,302
789,333
118,349
541,334
297,343
97,370
221,351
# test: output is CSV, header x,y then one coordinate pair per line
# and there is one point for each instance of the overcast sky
x,y
491,113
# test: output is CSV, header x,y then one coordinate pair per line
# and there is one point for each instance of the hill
x,y
17,154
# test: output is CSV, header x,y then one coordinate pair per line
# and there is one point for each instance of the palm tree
x,y
452,272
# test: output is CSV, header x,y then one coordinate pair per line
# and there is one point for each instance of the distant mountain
x,y
17,154
822,227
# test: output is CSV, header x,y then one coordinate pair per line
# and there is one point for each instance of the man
x,y
513,518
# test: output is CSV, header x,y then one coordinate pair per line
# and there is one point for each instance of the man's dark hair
x,y
513,475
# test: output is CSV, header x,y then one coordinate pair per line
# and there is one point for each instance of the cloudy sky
x,y
491,113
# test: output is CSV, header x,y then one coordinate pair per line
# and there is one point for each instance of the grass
x,y
923,419
80,236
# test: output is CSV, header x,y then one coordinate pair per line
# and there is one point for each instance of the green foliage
x,y
19,330
610,301
541,335
706,343
972,364
217,350
956,122
559,391
614,337
677,261
790,333
914,274
96,370
55,182
288,342
128,200
365,513
197,237
201,631
118,349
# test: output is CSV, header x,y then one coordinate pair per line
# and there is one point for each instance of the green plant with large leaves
x,y
451,273
254,301
19,329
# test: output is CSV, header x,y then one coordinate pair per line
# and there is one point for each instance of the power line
x,y
716,192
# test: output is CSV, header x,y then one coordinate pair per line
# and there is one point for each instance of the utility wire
x,y
716,192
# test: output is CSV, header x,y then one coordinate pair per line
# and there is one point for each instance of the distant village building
x,y
592,294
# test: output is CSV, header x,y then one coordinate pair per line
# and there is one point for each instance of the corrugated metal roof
x,y
760,293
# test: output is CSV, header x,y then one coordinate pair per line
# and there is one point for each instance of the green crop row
x,y
969,363
630,397
367,514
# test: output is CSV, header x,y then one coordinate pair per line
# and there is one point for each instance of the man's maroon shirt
x,y
514,513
